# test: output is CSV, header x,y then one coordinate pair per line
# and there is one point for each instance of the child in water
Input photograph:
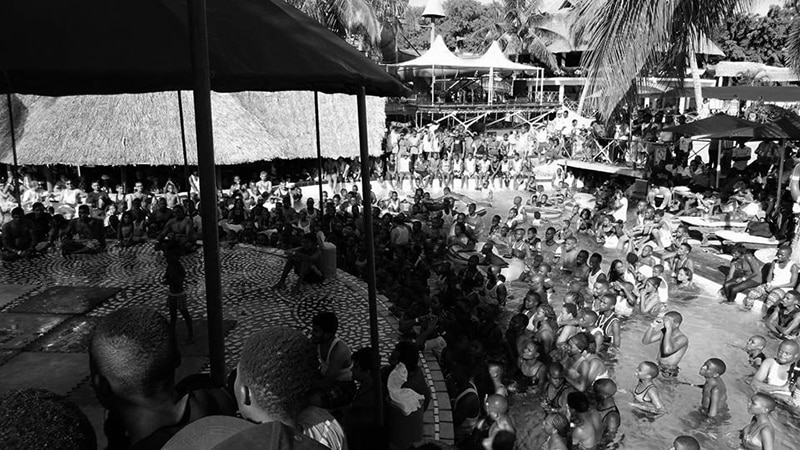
x,y
604,390
496,407
556,426
684,277
715,394
646,392
755,350
528,362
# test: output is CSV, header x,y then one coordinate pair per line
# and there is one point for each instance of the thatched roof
x,y
145,128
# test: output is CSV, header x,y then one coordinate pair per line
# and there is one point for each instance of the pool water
x,y
712,330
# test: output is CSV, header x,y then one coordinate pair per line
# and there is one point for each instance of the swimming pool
x,y
711,328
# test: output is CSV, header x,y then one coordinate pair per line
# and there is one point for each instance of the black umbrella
x,y
56,47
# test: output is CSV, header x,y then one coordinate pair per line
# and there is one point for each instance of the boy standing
x,y
715,394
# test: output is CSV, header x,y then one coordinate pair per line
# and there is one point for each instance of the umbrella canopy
x,y
131,129
133,46
494,58
438,55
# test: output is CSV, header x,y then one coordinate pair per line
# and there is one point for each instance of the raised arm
x,y
651,336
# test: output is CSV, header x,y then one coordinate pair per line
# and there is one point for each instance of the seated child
x,y
715,394
604,390
646,392
496,407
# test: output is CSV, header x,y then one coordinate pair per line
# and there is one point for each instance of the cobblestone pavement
x,y
133,277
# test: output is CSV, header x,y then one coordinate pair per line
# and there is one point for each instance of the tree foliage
x,y
461,28
763,39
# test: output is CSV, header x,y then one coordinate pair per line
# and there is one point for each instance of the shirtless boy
x,y
646,392
588,428
587,368
569,254
672,342
715,394
497,411
18,237
604,391
555,392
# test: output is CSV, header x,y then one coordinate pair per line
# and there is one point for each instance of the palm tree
x,y
633,37
518,26
350,19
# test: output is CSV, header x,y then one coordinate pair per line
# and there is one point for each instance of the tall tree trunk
x,y
698,88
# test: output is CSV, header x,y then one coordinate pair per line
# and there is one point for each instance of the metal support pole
x,y
319,147
183,142
780,173
370,275
719,163
17,193
208,185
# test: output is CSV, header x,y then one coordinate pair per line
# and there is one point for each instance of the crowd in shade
x,y
446,264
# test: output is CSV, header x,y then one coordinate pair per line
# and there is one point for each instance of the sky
x,y
759,6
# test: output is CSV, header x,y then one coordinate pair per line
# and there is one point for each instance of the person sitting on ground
x,y
646,392
178,233
360,423
496,407
129,232
84,235
587,427
673,343
715,394
759,434
404,422
567,322
304,260
784,321
32,419
41,222
336,388
604,391
778,376
782,276
19,240
132,361
744,273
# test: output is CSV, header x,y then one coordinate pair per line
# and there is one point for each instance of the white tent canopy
x,y
438,55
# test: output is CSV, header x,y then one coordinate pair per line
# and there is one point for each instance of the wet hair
x,y
596,256
326,321
279,365
36,419
769,402
686,443
606,386
559,422
651,368
590,314
571,309
580,341
632,258
675,316
504,440
573,298
518,322
655,281
556,366
688,272
407,354
135,348
578,401
718,364
760,339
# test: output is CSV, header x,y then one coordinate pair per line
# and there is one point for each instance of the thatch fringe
x,y
145,128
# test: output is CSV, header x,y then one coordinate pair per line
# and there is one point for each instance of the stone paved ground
x,y
49,350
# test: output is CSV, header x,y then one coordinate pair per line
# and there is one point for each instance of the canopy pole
x,y
319,146
183,142
13,149
491,85
201,74
433,85
719,162
370,275
780,173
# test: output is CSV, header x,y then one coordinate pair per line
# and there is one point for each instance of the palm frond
x,y
628,36
538,48
357,15
793,46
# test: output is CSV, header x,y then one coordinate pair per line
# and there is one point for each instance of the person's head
x,y
556,423
675,317
617,266
132,357
756,343
652,284
577,344
595,260
555,374
532,300
406,353
738,251
658,270
496,406
17,213
783,255
684,249
685,443
276,371
647,370
713,368
504,440
578,402
38,419
570,243
549,234
790,299
362,364
787,352
632,259
586,318
568,312
323,327
600,288
604,388
684,275
760,404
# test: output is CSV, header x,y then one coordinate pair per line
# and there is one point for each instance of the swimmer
x,y
778,376
663,288
587,320
569,254
587,425
650,302
715,394
528,361
556,426
607,320
683,278
685,443
496,373
755,350
554,398
759,434
496,407
604,391
581,271
673,343
784,322
646,392
587,367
